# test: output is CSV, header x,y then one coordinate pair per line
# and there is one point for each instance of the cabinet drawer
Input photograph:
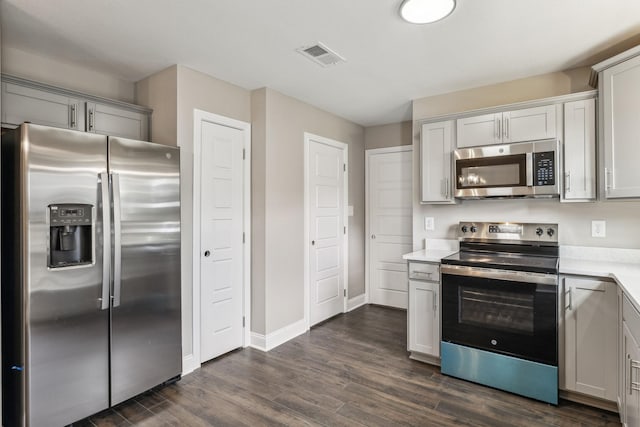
x,y
632,317
423,271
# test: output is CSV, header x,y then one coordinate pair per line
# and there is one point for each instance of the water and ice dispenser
x,y
71,235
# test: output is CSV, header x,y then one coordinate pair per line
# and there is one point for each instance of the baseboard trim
x,y
424,358
189,364
596,402
356,302
279,337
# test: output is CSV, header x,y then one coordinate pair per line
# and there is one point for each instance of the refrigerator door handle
x,y
106,240
117,246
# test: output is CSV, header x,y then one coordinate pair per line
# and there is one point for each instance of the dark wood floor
x,y
352,370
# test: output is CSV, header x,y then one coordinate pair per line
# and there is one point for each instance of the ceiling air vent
x,y
321,54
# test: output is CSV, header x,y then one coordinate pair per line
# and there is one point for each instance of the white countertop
x,y
429,255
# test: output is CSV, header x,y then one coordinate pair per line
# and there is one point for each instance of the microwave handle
x,y
529,167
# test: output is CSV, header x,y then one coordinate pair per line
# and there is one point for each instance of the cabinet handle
x,y
567,182
435,303
633,385
72,122
499,128
505,127
568,307
90,120
446,188
608,174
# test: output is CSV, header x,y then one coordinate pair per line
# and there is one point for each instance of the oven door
x,y
508,312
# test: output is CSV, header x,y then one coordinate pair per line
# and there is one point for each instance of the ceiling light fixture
x,y
426,11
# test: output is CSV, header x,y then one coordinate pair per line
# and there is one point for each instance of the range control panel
x,y
492,231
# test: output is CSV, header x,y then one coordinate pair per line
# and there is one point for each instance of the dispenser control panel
x,y
70,214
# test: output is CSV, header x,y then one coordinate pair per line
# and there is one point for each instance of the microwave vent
x,y
320,54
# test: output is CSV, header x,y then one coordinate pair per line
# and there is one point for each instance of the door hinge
x,y
243,321
345,292
243,237
344,167
244,154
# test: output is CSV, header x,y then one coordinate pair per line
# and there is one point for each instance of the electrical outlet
x,y
598,228
429,223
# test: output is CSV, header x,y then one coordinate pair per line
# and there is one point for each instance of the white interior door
x,y
221,244
326,178
390,225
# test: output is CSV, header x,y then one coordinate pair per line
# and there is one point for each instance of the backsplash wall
x,y
574,219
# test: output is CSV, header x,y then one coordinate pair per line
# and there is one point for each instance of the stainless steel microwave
x,y
526,169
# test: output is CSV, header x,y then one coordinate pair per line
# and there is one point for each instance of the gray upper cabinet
x,y
27,101
619,86
579,151
107,120
436,147
528,124
25,104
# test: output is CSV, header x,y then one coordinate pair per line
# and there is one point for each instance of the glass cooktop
x,y
505,261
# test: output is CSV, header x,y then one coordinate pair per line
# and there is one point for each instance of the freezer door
x,y
66,329
145,317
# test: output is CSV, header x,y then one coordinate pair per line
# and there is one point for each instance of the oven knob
x,y
551,232
464,229
539,231
473,229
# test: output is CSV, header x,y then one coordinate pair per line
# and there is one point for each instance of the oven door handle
x,y
509,275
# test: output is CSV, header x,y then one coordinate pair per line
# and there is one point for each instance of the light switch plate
x,y
598,228
429,223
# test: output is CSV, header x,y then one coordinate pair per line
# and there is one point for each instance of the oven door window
x,y
513,318
488,172
497,309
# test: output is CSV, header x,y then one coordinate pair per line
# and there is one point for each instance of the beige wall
x,y
391,135
287,120
160,92
258,212
56,72
623,229
192,90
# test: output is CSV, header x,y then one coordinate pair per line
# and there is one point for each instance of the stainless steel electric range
x,y
500,308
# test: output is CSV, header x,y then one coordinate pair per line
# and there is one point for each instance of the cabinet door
x,y
479,130
631,413
25,104
590,321
529,124
435,162
579,150
619,88
424,318
110,120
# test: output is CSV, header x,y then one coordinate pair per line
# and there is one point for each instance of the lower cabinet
x,y
630,365
591,337
424,316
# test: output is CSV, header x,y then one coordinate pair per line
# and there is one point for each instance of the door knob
x,y
207,253
373,236
313,242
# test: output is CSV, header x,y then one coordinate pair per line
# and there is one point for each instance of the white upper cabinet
x,y
579,151
620,104
436,146
528,124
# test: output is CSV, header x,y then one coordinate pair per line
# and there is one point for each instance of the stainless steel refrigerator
x,y
90,272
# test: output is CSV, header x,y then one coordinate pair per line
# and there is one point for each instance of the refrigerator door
x,y
145,317
67,340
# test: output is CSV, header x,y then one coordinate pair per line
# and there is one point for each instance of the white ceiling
x,y
252,43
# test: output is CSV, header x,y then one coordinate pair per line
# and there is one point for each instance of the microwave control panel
x,y
544,168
